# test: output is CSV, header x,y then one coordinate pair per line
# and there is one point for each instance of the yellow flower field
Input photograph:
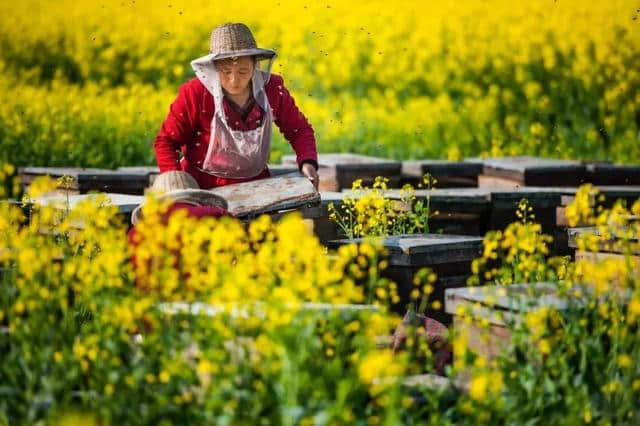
x,y
89,83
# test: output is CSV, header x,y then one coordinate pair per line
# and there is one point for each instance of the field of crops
x,y
240,319
89,83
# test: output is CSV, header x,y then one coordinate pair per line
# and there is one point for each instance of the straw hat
x,y
180,187
235,39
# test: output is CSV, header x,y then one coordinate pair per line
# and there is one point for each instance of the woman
x,y
221,120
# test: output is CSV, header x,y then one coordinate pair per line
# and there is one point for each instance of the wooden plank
x,y
612,193
424,249
513,298
339,170
267,195
322,208
485,181
608,246
538,197
125,203
448,199
89,179
469,200
612,174
447,173
487,343
151,171
600,256
561,216
535,171
201,308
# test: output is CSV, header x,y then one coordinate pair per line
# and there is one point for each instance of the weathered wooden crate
x,y
449,256
449,174
513,172
500,307
494,310
603,173
86,180
338,171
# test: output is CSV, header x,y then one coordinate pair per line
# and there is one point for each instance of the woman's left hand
x,y
309,171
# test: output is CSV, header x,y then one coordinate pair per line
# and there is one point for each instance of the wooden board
x,y
600,256
425,249
447,173
535,171
151,171
86,179
538,197
126,203
485,181
322,208
612,174
611,193
605,246
463,200
339,170
267,195
490,302
561,216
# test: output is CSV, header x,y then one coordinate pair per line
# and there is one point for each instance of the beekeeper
x,y
219,127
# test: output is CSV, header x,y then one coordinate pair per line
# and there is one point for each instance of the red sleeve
x,y
292,123
177,129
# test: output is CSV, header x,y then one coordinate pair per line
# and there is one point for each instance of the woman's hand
x,y
309,171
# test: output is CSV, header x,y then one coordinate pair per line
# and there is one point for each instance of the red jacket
x,y
187,129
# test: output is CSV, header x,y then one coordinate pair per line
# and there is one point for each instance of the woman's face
x,y
235,75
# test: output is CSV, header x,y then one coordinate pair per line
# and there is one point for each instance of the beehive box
x,y
611,193
449,256
338,171
498,306
449,174
501,308
84,180
544,202
517,171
